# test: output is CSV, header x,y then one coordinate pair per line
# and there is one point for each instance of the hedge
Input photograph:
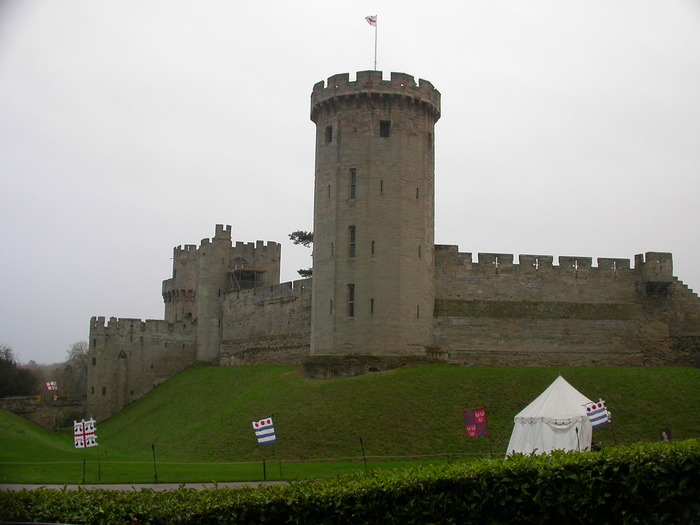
x,y
649,483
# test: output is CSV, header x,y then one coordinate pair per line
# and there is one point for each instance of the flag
x,y
475,422
598,414
265,431
51,385
84,433
371,20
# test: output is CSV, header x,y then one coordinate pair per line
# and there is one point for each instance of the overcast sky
x,y
129,127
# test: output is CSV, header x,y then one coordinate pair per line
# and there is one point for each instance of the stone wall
x,y
270,325
129,357
493,312
47,412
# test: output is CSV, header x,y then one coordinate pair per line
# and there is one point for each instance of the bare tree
x,y
75,369
14,380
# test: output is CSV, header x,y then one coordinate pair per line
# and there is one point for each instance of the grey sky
x,y
130,127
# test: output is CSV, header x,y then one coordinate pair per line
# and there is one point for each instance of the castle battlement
x,y
651,266
288,289
257,245
185,249
125,325
371,84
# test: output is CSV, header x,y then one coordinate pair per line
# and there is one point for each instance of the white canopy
x,y
556,420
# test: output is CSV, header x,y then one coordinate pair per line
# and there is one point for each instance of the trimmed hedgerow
x,y
657,483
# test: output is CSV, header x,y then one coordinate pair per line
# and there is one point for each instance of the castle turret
x,y
179,292
373,265
212,284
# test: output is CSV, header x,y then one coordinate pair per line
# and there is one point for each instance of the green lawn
x,y
200,424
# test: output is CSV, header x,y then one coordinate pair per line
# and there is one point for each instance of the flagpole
x,y
375,42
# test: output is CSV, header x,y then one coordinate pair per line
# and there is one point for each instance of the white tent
x,y
556,420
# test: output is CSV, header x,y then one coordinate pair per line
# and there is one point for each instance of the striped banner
x,y
265,431
598,414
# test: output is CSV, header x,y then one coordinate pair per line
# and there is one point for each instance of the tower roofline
x,y
370,84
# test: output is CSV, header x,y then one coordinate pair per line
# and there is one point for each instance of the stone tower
x,y
373,265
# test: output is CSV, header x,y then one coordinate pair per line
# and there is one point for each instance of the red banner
x,y
475,422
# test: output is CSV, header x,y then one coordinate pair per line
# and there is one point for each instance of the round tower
x,y
373,289
179,292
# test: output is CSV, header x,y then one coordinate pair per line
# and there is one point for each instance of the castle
x,y
382,293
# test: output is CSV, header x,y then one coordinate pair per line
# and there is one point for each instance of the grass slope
x,y
204,414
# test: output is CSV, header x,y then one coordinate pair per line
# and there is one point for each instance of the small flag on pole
x,y
51,385
84,433
475,422
265,431
598,414
371,20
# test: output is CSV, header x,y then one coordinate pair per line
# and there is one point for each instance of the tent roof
x,y
560,401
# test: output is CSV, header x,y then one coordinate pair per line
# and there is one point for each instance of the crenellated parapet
x,y
369,85
255,254
279,291
151,327
654,267
449,257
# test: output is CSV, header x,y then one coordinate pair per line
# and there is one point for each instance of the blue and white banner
x,y
598,414
265,431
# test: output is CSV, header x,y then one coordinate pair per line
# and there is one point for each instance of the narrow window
x,y
332,250
351,231
94,361
419,254
353,183
371,306
417,311
331,306
416,193
384,128
329,134
104,390
329,191
372,247
351,300
381,187
94,343
92,390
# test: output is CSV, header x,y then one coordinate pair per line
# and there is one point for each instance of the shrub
x,y
657,483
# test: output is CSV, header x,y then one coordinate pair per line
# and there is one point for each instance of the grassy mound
x,y
204,414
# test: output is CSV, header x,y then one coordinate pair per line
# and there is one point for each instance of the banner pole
x,y
155,471
612,427
99,467
362,446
